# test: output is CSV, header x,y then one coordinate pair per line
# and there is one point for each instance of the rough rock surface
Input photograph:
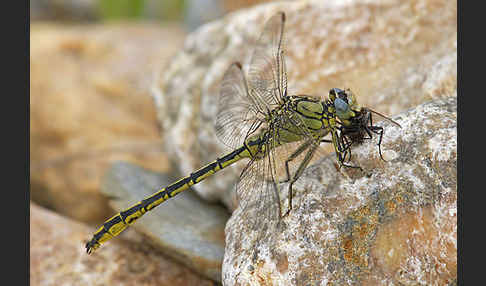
x,y
90,105
395,223
57,257
393,54
185,228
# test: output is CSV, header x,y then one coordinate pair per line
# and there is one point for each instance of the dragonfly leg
x,y
341,151
367,128
347,148
379,131
300,170
294,155
350,166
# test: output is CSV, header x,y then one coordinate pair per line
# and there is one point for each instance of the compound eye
x,y
343,111
341,105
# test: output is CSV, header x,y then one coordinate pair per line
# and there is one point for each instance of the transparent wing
x,y
243,105
237,115
267,78
258,195
261,196
257,189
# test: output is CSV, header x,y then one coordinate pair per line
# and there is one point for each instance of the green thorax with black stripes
x,y
297,118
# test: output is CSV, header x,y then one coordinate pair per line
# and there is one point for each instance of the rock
x,y
57,257
185,228
395,223
90,105
393,55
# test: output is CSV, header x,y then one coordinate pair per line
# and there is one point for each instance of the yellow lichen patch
x,y
364,230
364,211
356,245
391,206
355,252
348,249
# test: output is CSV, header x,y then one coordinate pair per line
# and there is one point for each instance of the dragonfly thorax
x,y
299,117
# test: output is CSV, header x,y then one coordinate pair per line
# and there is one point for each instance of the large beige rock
x,y
57,257
393,54
395,223
89,106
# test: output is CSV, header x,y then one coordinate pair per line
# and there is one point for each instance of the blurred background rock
x,y
191,13
92,64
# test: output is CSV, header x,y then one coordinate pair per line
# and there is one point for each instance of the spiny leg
x,y
298,173
339,149
294,155
379,131
271,169
367,128
347,147
342,164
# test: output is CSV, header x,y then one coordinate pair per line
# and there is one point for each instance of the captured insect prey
x,y
276,132
358,127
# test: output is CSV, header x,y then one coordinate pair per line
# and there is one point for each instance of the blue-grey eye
x,y
340,105
342,109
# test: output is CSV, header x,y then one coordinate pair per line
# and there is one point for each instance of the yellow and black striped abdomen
x,y
119,222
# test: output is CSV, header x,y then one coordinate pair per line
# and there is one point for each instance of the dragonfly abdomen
x,y
119,222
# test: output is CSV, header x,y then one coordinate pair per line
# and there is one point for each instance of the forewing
x,y
267,78
243,105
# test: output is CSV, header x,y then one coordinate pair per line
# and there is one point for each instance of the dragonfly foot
x,y
286,213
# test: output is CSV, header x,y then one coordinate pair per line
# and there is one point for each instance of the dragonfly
x,y
276,132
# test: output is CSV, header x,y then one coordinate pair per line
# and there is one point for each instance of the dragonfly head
x,y
345,103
